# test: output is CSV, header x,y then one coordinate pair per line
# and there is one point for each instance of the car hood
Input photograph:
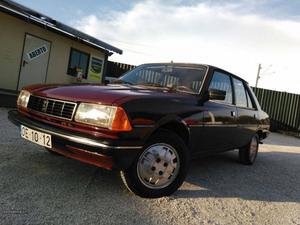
x,y
110,94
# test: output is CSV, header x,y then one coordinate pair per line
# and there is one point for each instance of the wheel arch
x,y
260,134
175,125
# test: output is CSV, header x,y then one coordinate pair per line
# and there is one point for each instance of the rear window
x,y
249,100
240,93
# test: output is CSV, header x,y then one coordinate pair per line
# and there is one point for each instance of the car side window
x,y
240,93
221,81
249,100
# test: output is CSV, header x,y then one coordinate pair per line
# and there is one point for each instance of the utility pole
x,y
258,73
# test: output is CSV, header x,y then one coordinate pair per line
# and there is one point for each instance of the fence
x,y
282,107
115,69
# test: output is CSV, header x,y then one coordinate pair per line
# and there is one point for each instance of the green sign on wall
x,y
95,69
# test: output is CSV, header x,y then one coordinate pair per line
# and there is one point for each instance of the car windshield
x,y
172,77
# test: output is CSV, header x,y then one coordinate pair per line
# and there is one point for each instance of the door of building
x,y
34,61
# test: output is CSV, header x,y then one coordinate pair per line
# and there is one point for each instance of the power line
x,y
259,74
135,52
131,43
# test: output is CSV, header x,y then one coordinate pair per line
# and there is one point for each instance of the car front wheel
x,y
160,168
248,154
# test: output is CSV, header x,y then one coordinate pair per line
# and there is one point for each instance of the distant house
x,y
37,49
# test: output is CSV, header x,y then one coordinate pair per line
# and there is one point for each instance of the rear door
x,y
218,131
34,61
247,114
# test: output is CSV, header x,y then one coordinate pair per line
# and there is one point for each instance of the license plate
x,y
37,137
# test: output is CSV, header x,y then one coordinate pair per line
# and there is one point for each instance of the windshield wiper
x,y
119,81
151,84
154,85
180,88
173,88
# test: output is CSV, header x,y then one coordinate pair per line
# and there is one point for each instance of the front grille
x,y
52,107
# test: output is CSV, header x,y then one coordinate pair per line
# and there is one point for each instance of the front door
x,y
34,61
219,128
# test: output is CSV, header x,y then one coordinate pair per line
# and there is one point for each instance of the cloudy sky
x,y
234,35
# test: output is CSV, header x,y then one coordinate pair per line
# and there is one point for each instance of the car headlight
x,y
111,117
23,98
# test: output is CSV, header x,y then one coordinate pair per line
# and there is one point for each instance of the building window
x,y
78,63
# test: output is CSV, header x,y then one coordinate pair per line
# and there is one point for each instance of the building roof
x,y
29,15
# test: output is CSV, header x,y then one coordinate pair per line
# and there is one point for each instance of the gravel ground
x,y
40,188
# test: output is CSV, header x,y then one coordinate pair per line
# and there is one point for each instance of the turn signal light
x,y
121,121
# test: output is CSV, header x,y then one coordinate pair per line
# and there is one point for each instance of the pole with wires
x,y
258,73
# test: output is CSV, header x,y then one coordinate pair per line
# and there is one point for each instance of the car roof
x,y
197,65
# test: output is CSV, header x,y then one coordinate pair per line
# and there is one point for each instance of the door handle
x,y
233,113
24,63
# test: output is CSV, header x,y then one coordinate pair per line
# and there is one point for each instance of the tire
x,y
248,154
160,169
53,152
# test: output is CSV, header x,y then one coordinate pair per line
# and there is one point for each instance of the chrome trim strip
x,y
57,100
214,125
223,125
146,126
220,125
198,125
82,140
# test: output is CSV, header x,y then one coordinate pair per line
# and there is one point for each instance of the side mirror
x,y
214,94
108,80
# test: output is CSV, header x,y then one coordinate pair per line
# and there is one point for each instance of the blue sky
x,y
234,35
67,11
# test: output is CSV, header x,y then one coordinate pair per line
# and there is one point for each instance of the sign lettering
x,y
37,52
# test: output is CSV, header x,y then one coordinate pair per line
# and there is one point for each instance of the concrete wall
x,y
12,33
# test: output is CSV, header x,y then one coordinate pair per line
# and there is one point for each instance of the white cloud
x,y
153,31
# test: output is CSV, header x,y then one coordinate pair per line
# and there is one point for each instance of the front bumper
x,y
105,153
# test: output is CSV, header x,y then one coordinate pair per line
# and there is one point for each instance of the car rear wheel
x,y
160,169
248,154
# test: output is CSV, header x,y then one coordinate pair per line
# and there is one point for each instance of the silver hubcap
x,y
158,166
253,148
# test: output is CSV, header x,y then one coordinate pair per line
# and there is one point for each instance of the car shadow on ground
x,y
275,177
